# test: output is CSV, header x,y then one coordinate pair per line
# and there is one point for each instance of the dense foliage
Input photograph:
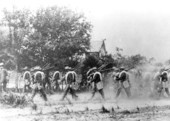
x,y
49,35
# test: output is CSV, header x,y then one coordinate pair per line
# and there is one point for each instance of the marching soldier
x,y
38,85
161,83
165,82
70,79
123,82
55,80
3,77
47,71
27,79
95,78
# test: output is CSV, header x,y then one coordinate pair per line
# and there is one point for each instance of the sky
x,y
136,26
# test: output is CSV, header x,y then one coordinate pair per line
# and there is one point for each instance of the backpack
x,y
123,76
164,76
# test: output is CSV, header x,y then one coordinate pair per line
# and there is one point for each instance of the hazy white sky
x,y
138,26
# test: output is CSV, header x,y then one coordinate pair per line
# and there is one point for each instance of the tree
x,y
50,35
18,23
64,34
128,61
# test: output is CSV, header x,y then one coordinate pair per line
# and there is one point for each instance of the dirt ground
x,y
137,108
122,109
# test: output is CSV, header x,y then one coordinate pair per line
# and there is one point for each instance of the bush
x,y
14,99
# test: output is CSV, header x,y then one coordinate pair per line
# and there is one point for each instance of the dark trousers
x,y
160,88
167,91
71,91
41,91
127,90
96,90
47,81
4,86
55,85
161,92
27,87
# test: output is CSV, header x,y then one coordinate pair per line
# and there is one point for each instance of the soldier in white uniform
x,y
70,79
3,76
27,80
95,77
124,82
55,80
165,82
160,83
38,85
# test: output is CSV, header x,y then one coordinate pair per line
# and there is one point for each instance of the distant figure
x,y
3,76
70,79
123,82
38,85
55,80
27,80
95,78
165,82
161,83
47,81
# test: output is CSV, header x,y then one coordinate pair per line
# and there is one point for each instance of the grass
x,y
104,110
14,99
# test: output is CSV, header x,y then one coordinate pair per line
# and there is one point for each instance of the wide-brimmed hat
x,y
67,68
122,68
115,68
1,64
25,68
36,68
91,70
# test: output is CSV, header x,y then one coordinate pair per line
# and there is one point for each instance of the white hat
x,y
1,64
91,70
36,68
67,68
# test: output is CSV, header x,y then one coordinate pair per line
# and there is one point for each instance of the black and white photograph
x,y
84,60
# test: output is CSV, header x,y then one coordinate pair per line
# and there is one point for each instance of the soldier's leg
x,y
42,92
49,85
1,88
29,87
167,91
128,92
72,92
24,89
34,92
120,85
93,93
102,93
118,92
44,84
57,86
4,86
65,92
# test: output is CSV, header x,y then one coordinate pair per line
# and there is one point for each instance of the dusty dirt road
x,y
83,110
138,108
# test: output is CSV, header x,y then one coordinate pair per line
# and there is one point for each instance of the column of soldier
x,y
38,80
